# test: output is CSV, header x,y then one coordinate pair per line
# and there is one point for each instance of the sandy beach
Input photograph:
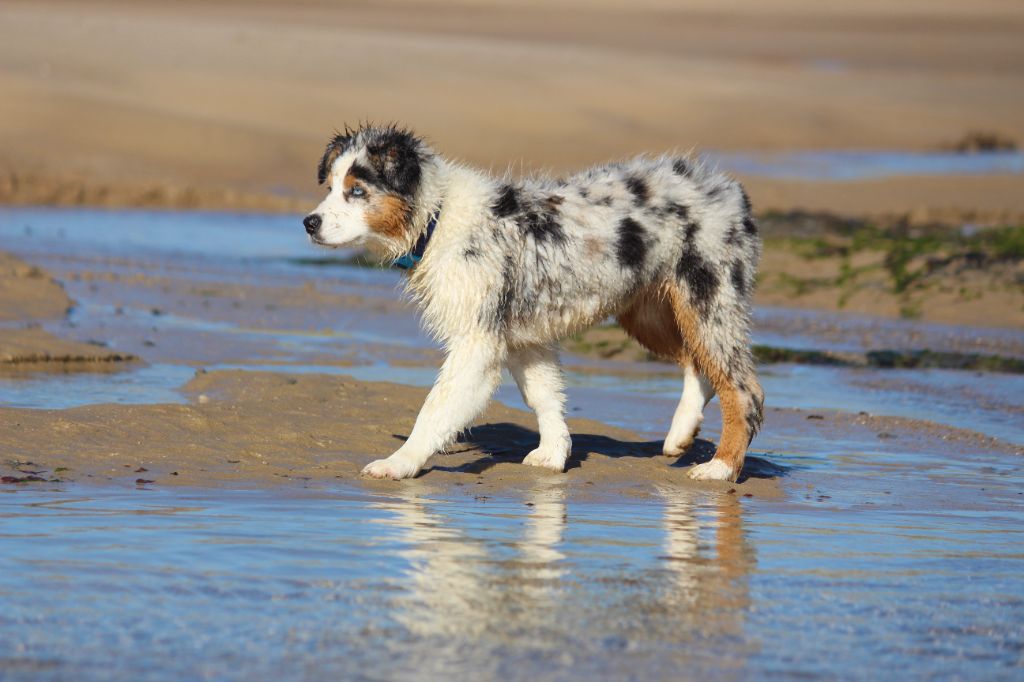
x,y
210,104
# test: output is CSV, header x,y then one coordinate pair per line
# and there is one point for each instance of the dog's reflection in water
x,y
707,556
499,575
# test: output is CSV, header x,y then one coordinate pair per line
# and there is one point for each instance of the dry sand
x,y
227,103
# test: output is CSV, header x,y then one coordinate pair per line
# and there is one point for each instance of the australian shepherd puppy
x,y
503,270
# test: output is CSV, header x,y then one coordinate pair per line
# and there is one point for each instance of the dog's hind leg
x,y
465,383
720,346
652,322
697,393
539,376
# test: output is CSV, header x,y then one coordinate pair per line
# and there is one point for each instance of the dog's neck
x,y
430,198
408,261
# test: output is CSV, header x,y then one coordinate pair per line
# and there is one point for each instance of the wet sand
x,y
260,427
256,429
29,294
319,429
110,110
324,429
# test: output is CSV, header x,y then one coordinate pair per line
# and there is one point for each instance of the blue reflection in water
x,y
234,584
864,165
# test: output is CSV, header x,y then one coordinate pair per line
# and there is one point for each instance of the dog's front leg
x,y
467,379
539,376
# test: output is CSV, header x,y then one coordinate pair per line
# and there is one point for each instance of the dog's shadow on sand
x,y
506,442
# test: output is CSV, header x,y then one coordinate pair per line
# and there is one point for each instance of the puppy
x,y
502,270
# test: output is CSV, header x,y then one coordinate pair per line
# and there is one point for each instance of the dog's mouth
x,y
354,244
320,242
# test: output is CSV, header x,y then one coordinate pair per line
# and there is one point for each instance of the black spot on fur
x,y
638,187
631,249
747,208
584,192
739,279
604,201
507,295
395,157
714,192
472,250
554,201
678,210
732,235
507,202
542,225
749,226
700,279
754,416
690,234
753,420
363,173
682,167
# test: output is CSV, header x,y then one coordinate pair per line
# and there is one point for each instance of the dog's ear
x,y
396,157
335,148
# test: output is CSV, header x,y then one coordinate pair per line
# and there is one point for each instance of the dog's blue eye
x,y
357,191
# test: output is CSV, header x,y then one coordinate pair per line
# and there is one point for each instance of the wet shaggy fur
x,y
667,247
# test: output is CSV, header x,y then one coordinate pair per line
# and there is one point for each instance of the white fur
x,y
512,268
715,470
697,393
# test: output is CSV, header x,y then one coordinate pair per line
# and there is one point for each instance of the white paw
x,y
680,439
715,470
550,457
674,448
392,467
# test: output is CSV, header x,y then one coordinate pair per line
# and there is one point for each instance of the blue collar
x,y
408,261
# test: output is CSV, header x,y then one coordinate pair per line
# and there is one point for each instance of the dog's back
x,y
573,252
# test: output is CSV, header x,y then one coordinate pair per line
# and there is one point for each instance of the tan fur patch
x,y
595,247
732,447
348,181
388,216
651,321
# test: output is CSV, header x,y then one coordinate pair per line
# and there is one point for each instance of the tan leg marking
x,y
732,447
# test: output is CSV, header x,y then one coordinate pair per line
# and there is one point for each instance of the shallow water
x,y
838,165
149,584
368,341
882,554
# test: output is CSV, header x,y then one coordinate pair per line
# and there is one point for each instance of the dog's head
x,y
372,175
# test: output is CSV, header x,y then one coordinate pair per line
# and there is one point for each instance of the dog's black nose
x,y
312,223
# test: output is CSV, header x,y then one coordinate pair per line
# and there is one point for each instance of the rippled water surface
x,y
862,165
146,584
